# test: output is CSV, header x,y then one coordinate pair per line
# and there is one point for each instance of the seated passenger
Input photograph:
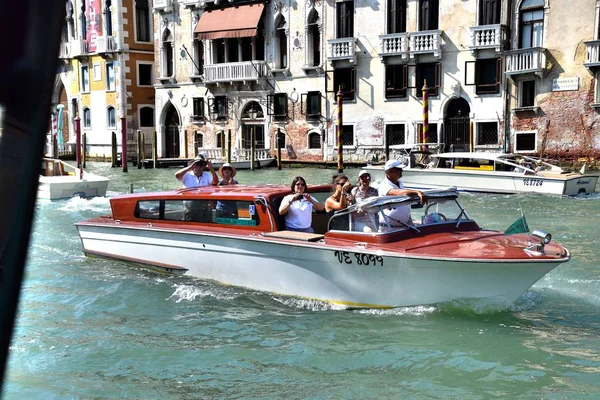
x,y
339,200
227,209
297,207
360,193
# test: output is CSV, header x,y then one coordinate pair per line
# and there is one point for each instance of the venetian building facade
x,y
553,68
258,68
106,72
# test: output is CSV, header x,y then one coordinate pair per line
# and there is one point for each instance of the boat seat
x,y
305,236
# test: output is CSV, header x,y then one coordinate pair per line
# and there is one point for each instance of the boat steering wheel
x,y
433,216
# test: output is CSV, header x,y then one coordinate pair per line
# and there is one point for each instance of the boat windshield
x,y
383,214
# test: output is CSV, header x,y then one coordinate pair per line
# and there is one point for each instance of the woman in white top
x,y
297,207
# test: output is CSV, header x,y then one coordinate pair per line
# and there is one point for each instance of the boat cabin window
x,y
382,215
222,212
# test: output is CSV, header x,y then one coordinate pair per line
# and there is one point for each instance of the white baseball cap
x,y
363,172
394,164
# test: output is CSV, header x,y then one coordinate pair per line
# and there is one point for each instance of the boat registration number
x,y
532,182
345,257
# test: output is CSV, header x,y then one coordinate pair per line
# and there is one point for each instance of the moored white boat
x,y
444,256
258,163
59,180
491,173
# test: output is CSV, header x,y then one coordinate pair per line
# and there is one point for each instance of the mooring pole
x,y
340,161
124,142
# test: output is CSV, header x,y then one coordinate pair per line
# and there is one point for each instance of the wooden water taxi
x,y
440,255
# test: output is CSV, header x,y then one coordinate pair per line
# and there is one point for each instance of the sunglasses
x,y
365,177
227,169
300,184
200,164
341,183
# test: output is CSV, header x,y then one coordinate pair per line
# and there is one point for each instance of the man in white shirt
x,y
195,174
192,176
392,186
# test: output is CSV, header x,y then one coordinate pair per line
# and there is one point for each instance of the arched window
x,y
314,140
146,117
167,54
142,20
532,24
87,118
313,40
281,43
111,117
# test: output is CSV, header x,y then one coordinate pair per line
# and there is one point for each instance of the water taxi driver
x,y
398,216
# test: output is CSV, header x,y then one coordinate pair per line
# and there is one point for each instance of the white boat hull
x,y
316,270
60,187
496,182
259,163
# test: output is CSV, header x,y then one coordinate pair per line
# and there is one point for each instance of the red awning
x,y
230,22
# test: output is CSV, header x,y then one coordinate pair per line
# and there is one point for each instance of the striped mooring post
x,y
425,111
340,161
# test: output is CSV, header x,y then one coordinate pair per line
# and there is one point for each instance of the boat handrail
x,y
262,200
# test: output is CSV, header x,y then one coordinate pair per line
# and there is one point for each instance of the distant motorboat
x,y
60,180
487,172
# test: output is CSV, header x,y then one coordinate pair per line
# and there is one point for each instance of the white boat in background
x,y
60,180
258,163
440,255
488,173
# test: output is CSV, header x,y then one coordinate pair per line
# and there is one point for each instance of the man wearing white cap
x,y
392,186
196,175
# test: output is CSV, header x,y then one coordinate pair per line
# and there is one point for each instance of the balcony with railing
x,y
64,50
487,37
426,42
235,72
163,5
105,44
79,47
526,61
394,44
342,49
592,54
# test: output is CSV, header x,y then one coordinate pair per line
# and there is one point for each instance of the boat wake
x,y
401,311
191,293
95,204
526,301
308,305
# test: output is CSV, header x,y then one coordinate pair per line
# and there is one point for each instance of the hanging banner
x,y
92,14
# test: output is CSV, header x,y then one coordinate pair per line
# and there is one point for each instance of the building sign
x,y
92,14
563,84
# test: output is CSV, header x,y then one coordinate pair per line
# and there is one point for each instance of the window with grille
x,y
314,140
487,133
395,134
347,135
525,142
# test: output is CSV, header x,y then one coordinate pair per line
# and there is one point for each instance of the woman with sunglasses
x,y
297,207
341,197
360,193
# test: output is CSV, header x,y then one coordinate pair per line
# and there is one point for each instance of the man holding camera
x,y
196,175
